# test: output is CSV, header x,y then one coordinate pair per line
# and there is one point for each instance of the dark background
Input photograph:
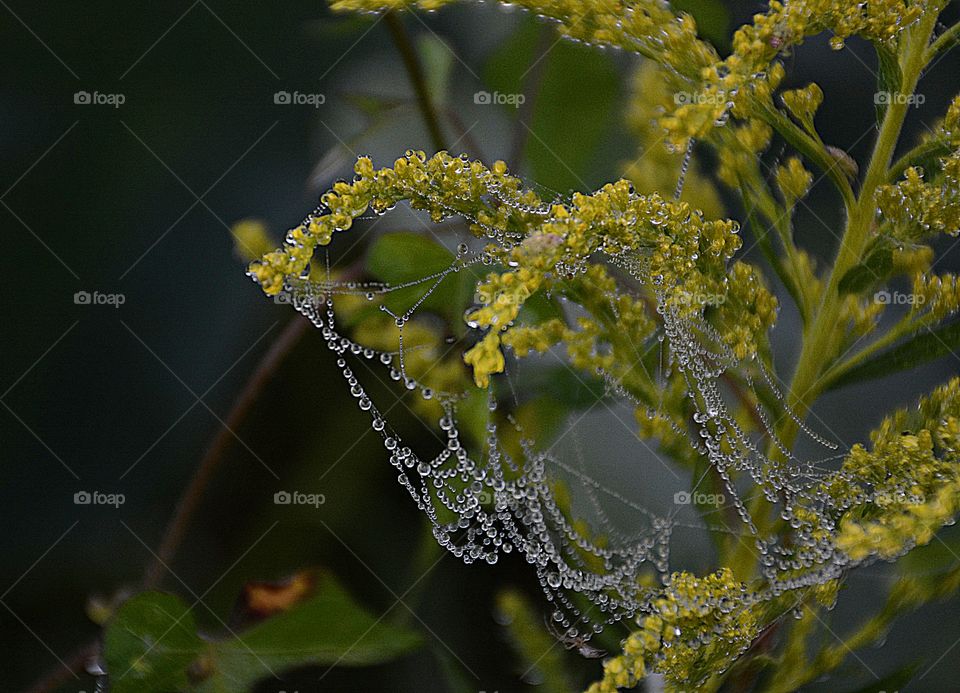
x,y
105,199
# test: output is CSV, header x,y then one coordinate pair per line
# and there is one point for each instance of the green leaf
x,y
570,388
150,643
891,683
921,348
562,142
329,628
397,258
934,559
889,78
437,60
875,267
712,17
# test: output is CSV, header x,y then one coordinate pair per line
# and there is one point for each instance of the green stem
x,y
821,337
415,71
944,42
819,343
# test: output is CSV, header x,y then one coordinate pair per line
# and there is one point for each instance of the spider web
x,y
507,490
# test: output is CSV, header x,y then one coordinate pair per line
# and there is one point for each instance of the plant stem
x,y
190,499
820,337
819,342
415,71
944,42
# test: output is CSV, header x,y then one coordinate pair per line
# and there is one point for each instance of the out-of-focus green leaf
x,y
150,643
538,308
328,628
572,389
537,649
397,258
875,267
713,19
893,682
437,60
921,348
933,559
574,103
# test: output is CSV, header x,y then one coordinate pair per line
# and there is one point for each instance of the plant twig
x,y
415,71
74,663
190,499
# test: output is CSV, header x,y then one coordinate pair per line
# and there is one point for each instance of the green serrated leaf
x,y
875,267
150,643
889,78
921,348
329,628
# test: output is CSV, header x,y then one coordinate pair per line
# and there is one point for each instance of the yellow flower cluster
x,y
542,247
936,295
793,180
697,627
443,185
748,311
683,252
912,475
657,167
923,205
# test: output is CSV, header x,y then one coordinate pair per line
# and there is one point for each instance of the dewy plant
x,y
636,295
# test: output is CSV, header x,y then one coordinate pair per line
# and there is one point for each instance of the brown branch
x,y
75,663
190,499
